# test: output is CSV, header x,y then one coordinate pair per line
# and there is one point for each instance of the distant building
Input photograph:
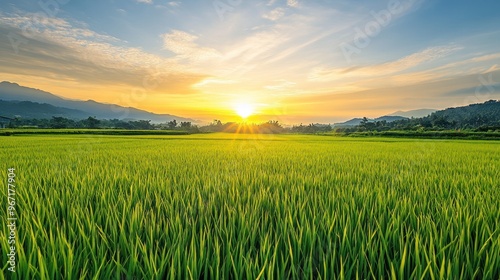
x,y
4,121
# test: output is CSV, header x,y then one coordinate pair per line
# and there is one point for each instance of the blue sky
x,y
291,60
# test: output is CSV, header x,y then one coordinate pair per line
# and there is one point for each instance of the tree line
x,y
481,117
475,117
94,123
272,126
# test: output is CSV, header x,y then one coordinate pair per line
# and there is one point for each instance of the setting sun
x,y
244,110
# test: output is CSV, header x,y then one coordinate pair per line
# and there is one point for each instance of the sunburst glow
x,y
244,110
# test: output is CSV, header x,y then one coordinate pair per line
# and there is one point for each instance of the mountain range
x,y
420,113
25,102
396,116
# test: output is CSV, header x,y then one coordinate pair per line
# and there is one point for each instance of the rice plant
x,y
252,207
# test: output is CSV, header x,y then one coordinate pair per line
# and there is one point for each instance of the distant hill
x,y
74,109
414,113
471,116
357,121
476,117
33,110
389,119
351,122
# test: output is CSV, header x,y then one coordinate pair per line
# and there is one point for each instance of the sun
x,y
244,110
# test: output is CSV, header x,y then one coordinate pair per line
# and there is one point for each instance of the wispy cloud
x,y
122,12
145,1
214,81
271,2
275,14
292,3
471,66
185,47
409,61
382,69
281,85
65,50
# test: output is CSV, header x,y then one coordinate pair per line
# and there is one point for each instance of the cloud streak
x,y
292,3
275,14
60,50
184,46
386,68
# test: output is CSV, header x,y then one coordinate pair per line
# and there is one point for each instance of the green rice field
x,y
228,206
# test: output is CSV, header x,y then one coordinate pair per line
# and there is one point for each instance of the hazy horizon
x,y
262,118
286,60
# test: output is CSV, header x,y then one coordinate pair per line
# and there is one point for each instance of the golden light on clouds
x,y
278,61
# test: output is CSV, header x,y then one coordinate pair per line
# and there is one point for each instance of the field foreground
x,y
251,206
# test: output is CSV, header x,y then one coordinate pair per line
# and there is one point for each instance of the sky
x,y
294,61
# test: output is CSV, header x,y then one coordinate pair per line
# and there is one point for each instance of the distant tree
x,y
116,123
60,122
91,122
216,123
440,122
142,124
298,129
14,122
172,124
270,127
366,125
364,121
186,125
